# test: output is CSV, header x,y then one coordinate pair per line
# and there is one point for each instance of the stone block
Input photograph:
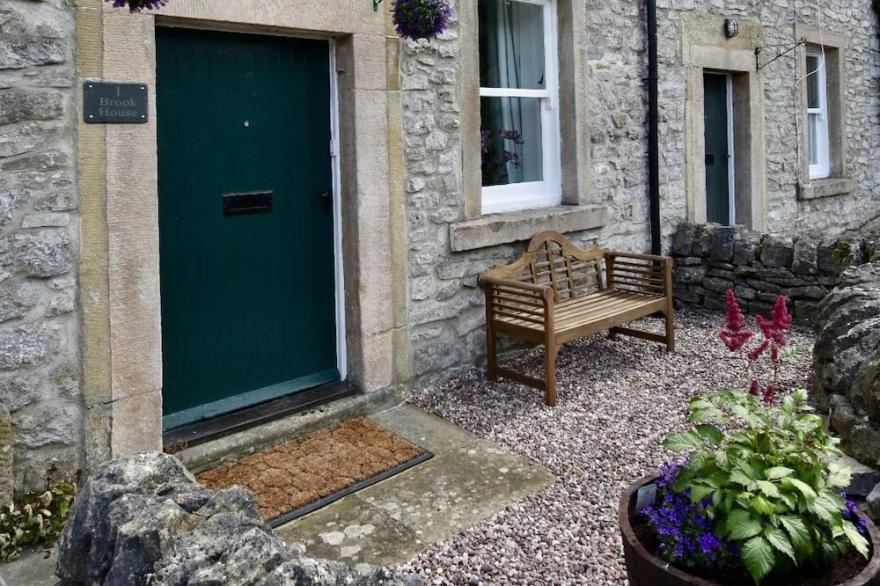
x,y
744,248
835,256
777,252
722,243
688,275
865,444
43,253
717,284
686,295
703,240
805,311
687,261
16,299
29,344
683,240
19,105
842,415
805,258
744,292
864,478
806,292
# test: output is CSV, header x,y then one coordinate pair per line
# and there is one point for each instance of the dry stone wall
x,y
445,305
39,331
710,259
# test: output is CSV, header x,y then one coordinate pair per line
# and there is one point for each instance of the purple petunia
x,y
138,5
421,19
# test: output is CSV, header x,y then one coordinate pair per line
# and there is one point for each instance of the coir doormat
x,y
297,477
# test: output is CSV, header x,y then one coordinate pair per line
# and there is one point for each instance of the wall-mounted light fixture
x,y
731,28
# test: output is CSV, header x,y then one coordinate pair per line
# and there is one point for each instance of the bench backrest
x,y
572,271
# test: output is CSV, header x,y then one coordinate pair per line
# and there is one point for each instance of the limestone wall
x,y
446,308
39,329
710,259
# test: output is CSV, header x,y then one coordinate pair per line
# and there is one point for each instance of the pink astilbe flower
x,y
769,394
779,323
735,334
754,390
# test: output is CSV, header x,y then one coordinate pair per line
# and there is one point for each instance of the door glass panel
x,y
511,44
813,82
510,142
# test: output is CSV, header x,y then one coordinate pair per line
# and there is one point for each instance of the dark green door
x,y
246,229
717,148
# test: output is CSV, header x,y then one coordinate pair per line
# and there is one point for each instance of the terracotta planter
x,y
643,568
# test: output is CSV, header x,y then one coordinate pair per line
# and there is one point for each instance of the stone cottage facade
x,y
82,299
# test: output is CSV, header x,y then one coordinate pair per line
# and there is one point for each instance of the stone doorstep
x,y
468,480
236,445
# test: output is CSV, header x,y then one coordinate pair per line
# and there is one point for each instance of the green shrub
x,y
35,519
769,481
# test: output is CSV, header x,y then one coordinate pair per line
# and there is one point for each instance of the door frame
x,y
250,397
338,260
715,54
119,264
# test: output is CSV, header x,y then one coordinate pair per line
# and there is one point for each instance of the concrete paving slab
x,y
468,480
457,490
436,435
353,531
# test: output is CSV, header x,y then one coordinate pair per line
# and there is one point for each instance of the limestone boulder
x,y
846,360
145,520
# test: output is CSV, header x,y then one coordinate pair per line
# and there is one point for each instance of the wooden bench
x,y
557,292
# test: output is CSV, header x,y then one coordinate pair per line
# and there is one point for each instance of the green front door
x,y
717,148
246,229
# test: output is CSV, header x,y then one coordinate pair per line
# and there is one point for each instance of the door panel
x,y
247,282
717,148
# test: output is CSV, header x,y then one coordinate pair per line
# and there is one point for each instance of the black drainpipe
x,y
653,129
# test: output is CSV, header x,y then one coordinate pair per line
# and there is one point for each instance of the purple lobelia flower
x,y
421,19
851,513
685,529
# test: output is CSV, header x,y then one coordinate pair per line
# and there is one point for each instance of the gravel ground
x,y
617,400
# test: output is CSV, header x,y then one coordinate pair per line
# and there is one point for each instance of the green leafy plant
x,y
35,519
767,476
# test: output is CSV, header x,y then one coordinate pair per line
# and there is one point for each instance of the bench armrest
x,y
514,299
641,273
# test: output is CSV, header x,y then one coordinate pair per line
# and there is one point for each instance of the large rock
x,y
145,520
846,360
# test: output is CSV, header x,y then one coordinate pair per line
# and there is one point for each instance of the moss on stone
x,y
841,250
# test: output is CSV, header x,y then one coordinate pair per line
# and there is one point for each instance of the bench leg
x,y
491,353
550,351
670,330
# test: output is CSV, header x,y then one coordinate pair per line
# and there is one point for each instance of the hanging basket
x,y
421,19
138,5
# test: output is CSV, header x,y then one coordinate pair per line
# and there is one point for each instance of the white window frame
x,y
548,192
822,169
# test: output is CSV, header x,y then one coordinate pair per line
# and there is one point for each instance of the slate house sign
x,y
114,103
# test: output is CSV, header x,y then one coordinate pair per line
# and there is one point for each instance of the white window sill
x,y
818,188
495,229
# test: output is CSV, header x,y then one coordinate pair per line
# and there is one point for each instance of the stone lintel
x,y
497,229
825,188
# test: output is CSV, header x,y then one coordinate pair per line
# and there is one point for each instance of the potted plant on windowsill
x,y
756,498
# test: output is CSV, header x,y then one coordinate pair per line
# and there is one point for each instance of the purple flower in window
x,y
138,5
